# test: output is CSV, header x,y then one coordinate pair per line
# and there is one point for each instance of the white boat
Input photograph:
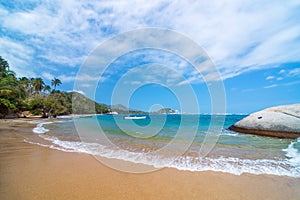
x,y
134,117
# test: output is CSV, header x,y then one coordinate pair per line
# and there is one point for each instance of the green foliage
x,y
11,94
36,104
101,108
84,105
7,103
4,68
31,94
55,82
5,107
38,84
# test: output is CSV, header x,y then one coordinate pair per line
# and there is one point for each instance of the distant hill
x,y
84,105
121,109
166,111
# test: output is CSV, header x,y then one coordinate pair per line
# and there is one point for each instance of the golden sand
x,y
32,172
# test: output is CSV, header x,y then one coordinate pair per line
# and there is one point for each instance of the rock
x,y
280,121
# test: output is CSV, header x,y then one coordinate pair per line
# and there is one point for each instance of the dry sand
x,y
32,172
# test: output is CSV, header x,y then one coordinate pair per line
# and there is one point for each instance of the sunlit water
x,y
146,141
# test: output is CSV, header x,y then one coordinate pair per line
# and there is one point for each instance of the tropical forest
x,y
28,96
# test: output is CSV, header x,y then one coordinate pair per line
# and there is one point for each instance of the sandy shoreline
x,y
33,172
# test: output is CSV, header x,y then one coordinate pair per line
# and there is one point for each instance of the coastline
x,y
33,172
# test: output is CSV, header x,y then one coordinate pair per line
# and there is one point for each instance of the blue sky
x,y
254,44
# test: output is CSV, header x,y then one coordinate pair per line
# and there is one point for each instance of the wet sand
x,y
29,171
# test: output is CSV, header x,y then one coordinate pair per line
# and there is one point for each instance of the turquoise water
x,y
181,138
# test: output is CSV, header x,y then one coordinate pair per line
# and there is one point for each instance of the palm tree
x,y
55,82
38,84
24,83
8,85
11,93
47,88
4,68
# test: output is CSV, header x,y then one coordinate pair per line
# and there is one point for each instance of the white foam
x,y
292,153
39,129
229,132
76,116
237,166
47,145
65,117
35,121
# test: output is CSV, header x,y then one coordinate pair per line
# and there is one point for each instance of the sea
x,y
182,141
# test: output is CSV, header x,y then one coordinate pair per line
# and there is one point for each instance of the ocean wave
x,y
46,145
229,132
284,167
40,129
293,153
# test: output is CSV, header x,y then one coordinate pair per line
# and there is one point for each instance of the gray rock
x,y
280,121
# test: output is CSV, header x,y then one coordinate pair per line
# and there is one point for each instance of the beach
x,y
29,171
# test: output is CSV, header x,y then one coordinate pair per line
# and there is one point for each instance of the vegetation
x,y
33,96
83,105
55,82
121,109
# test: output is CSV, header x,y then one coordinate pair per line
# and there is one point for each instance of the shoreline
x,y
33,172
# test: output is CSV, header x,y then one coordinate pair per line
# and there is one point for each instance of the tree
x,y
47,88
11,94
5,107
4,68
24,83
38,84
55,82
31,94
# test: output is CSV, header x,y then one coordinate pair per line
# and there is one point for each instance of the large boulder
x,y
280,121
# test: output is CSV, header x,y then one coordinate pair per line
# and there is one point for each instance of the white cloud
x,y
65,78
270,77
85,85
47,76
83,77
294,72
282,71
239,36
63,60
271,86
19,56
283,84
79,91
152,74
285,73
292,83
3,13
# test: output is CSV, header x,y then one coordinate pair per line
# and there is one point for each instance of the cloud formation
x,y
239,36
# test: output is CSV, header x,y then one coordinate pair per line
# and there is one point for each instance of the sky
x,y
254,45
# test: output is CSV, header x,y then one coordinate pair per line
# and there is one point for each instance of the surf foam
x,y
284,167
40,129
293,153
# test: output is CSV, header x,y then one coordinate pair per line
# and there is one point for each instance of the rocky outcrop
x,y
280,121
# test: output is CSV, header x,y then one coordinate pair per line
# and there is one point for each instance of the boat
x,y
134,117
